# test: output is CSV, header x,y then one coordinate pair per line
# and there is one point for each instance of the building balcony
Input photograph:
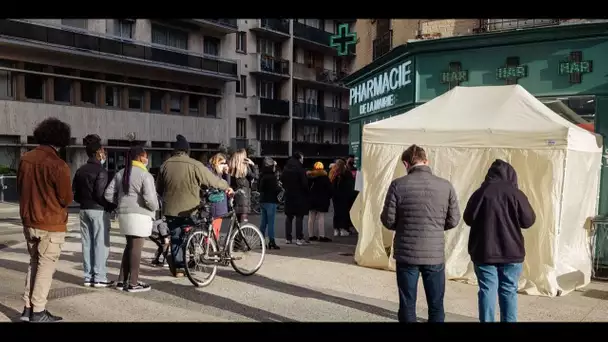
x,y
270,67
323,150
319,77
499,25
272,28
274,148
382,45
312,38
270,108
224,26
314,113
38,38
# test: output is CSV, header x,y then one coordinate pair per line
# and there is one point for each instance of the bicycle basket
x,y
216,197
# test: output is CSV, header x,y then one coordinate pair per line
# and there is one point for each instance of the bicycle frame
x,y
223,252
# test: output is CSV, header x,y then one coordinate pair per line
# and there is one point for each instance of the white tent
x,y
463,132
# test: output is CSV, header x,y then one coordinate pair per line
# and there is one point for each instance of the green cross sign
x,y
343,39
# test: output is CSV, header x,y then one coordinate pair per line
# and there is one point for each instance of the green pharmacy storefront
x,y
563,66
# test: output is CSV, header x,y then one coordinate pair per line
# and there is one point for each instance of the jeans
x,y
95,232
299,227
175,224
269,211
433,279
501,279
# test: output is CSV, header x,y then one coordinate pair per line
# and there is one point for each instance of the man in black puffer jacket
x,y
496,213
419,207
89,186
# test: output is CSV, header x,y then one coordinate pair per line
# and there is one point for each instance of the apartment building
x,y
289,95
125,79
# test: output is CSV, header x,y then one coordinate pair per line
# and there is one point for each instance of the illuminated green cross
x,y
343,39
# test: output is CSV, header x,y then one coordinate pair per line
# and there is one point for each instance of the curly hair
x,y
54,132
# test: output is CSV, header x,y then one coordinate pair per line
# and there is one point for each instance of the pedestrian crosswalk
x,y
9,223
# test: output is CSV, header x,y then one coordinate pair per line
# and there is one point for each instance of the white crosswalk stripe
x,y
14,222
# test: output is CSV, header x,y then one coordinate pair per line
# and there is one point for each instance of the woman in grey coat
x,y
134,191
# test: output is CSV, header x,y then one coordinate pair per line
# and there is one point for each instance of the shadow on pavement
x,y
11,313
300,291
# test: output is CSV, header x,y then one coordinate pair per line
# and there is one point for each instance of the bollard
x,y
1,188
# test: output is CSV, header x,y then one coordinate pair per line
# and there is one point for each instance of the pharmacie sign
x,y
382,91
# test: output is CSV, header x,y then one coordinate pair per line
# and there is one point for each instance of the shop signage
x,y
512,71
343,39
455,75
575,67
381,91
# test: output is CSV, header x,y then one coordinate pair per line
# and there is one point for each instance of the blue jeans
x,y
175,224
501,279
433,279
95,236
269,211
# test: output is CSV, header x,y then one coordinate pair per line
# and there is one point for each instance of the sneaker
x,y
87,283
313,238
140,287
119,285
44,316
25,315
336,232
288,242
103,284
299,242
344,233
324,239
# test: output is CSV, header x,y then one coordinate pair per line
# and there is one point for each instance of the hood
x,y
316,173
501,171
292,165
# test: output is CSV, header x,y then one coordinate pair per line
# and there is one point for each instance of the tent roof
x,y
490,116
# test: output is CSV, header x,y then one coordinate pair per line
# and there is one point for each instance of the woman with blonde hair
x,y
242,172
218,166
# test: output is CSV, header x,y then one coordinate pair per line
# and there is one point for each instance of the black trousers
x,y
299,226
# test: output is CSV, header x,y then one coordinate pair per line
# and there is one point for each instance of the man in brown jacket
x,y
45,191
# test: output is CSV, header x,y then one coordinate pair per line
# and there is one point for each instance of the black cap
x,y
181,144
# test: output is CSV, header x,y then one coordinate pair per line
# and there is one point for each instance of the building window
x,y
312,134
241,42
123,28
78,23
34,87
62,87
112,96
175,105
136,98
211,106
336,100
241,128
267,47
6,84
316,23
337,136
156,101
265,89
211,46
169,37
268,131
194,102
88,92
241,86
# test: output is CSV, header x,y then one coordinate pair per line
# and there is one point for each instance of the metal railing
x,y
111,45
383,44
274,148
274,107
315,112
310,33
496,25
279,25
273,64
304,71
226,22
8,189
321,149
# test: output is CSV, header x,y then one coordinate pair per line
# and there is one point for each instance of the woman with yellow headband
x,y
320,196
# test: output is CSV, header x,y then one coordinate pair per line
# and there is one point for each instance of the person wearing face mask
x,y
89,185
219,167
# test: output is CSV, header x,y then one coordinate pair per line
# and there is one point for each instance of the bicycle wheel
x,y
247,258
199,268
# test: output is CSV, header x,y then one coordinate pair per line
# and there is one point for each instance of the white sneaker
x,y
336,232
344,233
299,242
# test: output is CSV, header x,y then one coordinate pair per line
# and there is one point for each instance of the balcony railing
x,y
273,65
226,22
274,148
320,149
107,45
310,33
279,25
314,112
305,72
274,107
497,25
383,44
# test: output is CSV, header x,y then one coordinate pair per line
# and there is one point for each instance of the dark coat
x,y
242,190
89,186
496,213
320,190
342,189
269,186
419,207
220,208
295,184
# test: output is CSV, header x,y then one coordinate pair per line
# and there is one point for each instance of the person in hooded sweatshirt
x,y
320,196
496,213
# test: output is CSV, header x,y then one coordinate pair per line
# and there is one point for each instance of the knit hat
x,y
181,144
318,166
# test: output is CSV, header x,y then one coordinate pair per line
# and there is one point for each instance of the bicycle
x,y
201,244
